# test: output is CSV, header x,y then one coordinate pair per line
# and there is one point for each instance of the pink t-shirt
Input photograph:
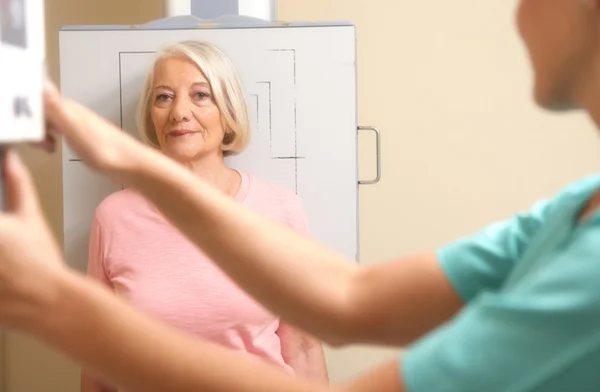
x,y
138,253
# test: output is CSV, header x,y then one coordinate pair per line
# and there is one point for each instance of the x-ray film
x,y
22,70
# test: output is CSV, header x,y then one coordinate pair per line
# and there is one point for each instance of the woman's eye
x,y
201,96
162,97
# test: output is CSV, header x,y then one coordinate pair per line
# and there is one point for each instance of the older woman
x,y
193,110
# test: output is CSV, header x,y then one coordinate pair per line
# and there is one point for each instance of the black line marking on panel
x,y
120,93
295,112
257,111
121,81
294,53
270,118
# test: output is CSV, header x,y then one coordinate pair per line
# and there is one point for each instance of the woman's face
x,y
560,37
186,119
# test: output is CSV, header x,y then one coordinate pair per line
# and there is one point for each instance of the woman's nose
x,y
181,110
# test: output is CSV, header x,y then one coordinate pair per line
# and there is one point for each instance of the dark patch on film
x,y
13,23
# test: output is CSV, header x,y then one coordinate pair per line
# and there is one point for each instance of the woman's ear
x,y
228,137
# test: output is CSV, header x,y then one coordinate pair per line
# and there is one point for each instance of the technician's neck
x,y
589,97
593,108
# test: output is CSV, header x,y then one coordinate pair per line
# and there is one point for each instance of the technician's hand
x,y
95,140
30,259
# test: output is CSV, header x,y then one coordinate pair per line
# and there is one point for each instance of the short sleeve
x,y
96,267
483,261
543,335
296,215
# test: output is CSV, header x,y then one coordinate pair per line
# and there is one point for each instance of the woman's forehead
x,y
178,70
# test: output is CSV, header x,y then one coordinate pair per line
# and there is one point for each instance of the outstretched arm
x,y
304,282
308,284
39,296
138,353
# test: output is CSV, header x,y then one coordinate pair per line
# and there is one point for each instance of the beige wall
x,y
448,85
2,364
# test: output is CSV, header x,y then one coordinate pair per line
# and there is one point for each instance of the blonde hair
x,y
227,93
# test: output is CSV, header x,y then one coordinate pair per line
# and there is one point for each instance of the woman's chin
x,y
185,156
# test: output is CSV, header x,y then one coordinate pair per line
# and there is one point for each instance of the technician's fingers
x,y
49,142
63,116
52,96
20,194
67,117
95,140
53,108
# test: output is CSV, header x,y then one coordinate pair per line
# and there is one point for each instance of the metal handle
x,y
378,146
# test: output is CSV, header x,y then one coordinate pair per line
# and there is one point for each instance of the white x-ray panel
x,y
300,82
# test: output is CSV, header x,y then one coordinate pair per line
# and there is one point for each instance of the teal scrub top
x,y
532,317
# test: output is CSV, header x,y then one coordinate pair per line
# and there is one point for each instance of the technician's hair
x,y
226,90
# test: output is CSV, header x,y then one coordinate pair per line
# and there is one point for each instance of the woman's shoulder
x,y
120,202
277,202
268,192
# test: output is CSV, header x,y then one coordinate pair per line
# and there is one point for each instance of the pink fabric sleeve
x,y
96,267
297,218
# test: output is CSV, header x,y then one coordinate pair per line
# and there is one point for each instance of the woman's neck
x,y
212,170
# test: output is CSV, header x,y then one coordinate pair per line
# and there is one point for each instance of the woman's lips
x,y
182,132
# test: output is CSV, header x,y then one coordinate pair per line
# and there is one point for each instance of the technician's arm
x,y
306,283
140,354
